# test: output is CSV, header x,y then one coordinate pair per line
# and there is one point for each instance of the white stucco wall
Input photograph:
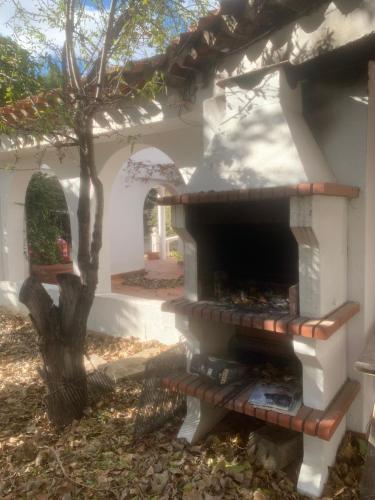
x,y
341,120
111,313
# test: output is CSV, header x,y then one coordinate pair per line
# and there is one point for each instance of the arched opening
x,y
146,254
160,239
48,233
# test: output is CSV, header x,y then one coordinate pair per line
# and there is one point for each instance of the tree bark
x,y
61,344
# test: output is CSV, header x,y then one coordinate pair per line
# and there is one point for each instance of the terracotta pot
x,y
47,273
153,255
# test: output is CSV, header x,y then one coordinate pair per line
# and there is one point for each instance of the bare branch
x,y
71,61
104,55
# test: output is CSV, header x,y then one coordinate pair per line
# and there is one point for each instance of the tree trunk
x,y
61,331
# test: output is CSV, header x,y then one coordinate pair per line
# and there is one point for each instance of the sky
x,y
7,12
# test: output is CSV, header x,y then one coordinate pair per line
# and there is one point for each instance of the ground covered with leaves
x,y
140,278
97,458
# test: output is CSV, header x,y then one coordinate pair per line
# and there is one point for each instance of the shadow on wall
x,y
253,144
126,316
114,316
140,112
9,292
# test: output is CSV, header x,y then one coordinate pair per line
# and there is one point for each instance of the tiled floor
x,y
156,269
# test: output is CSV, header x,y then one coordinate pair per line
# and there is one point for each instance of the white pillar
x,y
200,418
318,456
15,265
203,338
104,277
190,252
323,367
71,192
319,224
161,227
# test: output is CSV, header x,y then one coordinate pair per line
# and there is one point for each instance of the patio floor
x,y
156,270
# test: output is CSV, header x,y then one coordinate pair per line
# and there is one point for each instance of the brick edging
x,y
237,195
320,329
319,423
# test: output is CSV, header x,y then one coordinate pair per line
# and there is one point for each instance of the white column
x,y
200,418
13,238
203,337
323,367
190,252
71,192
319,224
104,277
318,456
161,227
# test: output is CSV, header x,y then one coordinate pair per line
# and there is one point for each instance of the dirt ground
x,y
97,458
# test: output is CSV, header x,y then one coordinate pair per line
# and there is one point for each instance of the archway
x,y
47,225
143,244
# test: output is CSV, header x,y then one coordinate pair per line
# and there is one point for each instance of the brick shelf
x,y
320,423
238,195
285,324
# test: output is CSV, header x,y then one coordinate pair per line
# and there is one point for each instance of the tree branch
x,y
116,30
104,55
71,62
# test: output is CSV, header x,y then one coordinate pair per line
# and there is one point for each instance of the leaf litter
x,y
97,457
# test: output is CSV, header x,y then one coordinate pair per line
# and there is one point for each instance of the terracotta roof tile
x,y
235,24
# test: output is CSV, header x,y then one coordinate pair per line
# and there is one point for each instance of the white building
x,y
310,122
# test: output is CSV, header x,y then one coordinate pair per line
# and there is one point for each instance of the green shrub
x,y
46,219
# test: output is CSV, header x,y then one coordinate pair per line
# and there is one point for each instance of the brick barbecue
x,y
274,241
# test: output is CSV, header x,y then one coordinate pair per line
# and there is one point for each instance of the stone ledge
x,y
320,329
319,423
238,195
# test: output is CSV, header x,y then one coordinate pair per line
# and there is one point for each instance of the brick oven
x,y
266,267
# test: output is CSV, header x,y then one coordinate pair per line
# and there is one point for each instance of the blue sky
x,y
7,11
54,34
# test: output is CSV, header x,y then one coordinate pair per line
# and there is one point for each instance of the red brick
x,y
299,419
310,425
337,410
284,420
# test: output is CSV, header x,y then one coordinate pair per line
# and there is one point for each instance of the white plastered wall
x,y
343,122
258,138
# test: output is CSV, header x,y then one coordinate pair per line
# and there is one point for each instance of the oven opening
x,y
247,255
